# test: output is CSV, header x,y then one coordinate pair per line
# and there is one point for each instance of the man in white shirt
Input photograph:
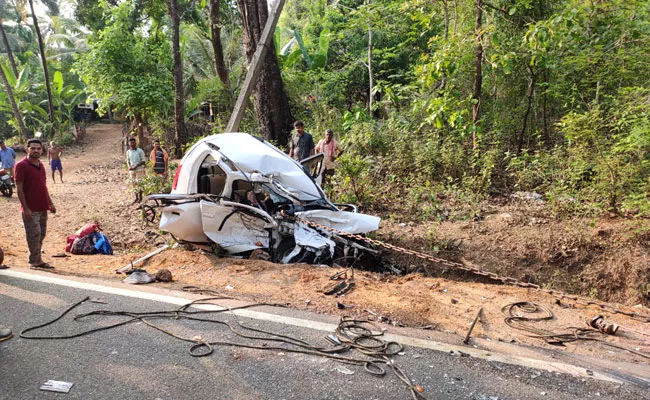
x,y
331,148
135,161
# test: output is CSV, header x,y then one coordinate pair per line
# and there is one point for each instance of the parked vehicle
x,y
6,183
241,193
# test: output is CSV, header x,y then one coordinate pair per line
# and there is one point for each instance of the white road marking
x,y
326,327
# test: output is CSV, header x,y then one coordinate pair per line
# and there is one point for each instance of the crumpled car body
x,y
240,193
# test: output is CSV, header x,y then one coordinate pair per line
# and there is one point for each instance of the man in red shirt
x,y
35,201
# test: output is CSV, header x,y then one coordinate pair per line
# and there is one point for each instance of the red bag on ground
x,y
87,229
69,240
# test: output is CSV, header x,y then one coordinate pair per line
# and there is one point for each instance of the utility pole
x,y
254,68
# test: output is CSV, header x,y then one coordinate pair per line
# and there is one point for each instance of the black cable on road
x,y
360,335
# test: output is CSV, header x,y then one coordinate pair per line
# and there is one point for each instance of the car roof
x,y
252,154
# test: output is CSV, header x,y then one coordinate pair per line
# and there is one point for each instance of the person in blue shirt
x,y
7,158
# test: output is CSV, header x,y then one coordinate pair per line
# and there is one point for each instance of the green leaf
x,y
318,61
324,42
437,122
58,82
303,49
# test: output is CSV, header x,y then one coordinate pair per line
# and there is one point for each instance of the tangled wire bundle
x,y
360,335
520,315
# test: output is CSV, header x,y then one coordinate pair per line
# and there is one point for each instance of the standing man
x,y
301,145
159,159
331,148
54,158
7,158
35,201
135,161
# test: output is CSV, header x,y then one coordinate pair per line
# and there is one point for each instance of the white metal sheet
x,y
234,231
343,220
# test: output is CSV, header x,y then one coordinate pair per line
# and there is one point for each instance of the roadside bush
x,y
354,183
604,165
13,141
153,183
65,139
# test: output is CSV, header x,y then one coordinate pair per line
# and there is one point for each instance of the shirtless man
x,y
54,158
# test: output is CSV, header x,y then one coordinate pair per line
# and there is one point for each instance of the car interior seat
x,y
214,182
239,190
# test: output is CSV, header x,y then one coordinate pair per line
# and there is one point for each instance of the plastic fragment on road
x,y
344,370
140,277
57,386
140,260
334,340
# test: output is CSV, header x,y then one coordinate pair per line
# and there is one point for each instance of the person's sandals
x,y
41,266
4,266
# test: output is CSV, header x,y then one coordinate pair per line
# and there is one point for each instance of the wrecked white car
x,y
240,193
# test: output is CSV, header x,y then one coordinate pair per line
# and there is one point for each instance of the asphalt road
x,y
135,361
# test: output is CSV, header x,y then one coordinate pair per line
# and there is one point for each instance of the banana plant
x,y
20,87
314,59
18,124
65,98
192,108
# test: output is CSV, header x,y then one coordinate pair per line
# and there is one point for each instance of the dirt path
x,y
95,190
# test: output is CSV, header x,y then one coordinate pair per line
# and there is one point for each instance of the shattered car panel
x,y
241,193
234,231
342,220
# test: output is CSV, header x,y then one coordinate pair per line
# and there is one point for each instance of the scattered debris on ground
x,y
600,258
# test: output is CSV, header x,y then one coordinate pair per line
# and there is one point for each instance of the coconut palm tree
x,y
6,14
12,101
41,48
215,29
10,54
198,56
179,93
64,38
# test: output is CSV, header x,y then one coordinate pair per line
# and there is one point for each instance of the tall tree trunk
x,y
531,92
545,130
478,71
41,48
179,92
139,132
370,82
445,5
10,54
271,102
14,106
216,43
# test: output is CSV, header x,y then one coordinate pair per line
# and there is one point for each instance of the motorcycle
x,y
6,183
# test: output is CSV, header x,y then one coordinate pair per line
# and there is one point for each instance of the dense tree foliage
x,y
450,98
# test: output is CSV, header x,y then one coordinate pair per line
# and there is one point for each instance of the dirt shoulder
x,y
514,240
